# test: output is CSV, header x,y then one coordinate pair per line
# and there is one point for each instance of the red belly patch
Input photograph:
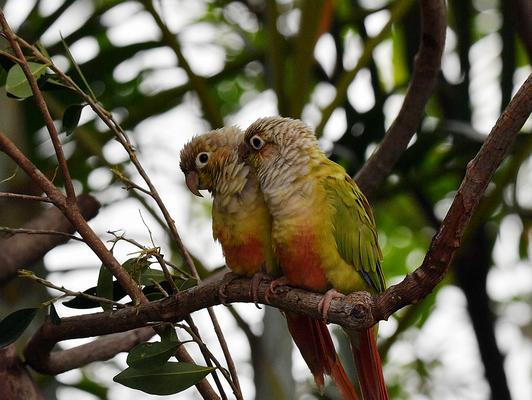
x,y
301,263
245,258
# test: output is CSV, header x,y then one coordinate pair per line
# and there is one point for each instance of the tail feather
x,y
368,364
316,346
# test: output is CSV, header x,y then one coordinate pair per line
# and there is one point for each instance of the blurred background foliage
x,y
292,54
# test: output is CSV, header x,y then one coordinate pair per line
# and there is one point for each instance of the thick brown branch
x,y
23,250
354,312
424,77
15,381
101,349
444,244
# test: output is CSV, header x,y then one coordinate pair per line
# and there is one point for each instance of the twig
x,y
16,231
209,358
18,196
424,77
23,273
41,104
23,250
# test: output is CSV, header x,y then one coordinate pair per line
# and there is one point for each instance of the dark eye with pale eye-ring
x,y
256,142
202,159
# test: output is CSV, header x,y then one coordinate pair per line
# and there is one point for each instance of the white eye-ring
x,y
256,142
202,159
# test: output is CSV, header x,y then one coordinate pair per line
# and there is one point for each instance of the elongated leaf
x,y
84,303
12,326
152,354
71,117
151,275
16,82
136,266
171,378
104,287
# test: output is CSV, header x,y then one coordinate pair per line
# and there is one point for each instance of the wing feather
x,y
354,228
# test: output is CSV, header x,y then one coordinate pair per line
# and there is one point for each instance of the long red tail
x,y
368,364
316,346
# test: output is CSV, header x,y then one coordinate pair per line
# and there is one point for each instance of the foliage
x,y
263,51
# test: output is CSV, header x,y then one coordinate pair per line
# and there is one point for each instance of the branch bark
x,y
424,77
23,250
15,381
359,310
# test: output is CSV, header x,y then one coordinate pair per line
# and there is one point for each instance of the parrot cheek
x,y
243,152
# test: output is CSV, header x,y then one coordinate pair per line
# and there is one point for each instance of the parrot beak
x,y
243,151
192,181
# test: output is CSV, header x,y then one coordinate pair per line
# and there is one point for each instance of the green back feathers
x,y
354,227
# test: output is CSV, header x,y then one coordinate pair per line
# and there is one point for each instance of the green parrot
x,y
242,225
323,232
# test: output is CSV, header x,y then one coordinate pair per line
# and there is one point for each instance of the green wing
x,y
354,229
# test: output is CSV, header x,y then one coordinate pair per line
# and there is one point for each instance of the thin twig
x,y
18,196
41,104
23,273
17,231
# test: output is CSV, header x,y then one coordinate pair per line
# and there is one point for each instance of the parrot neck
x,y
239,188
288,181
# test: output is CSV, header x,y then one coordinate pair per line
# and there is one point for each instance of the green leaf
x,y
152,275
79,302
54,316
169,379
12,326
104,288
71,117
136,266
151,355
16,82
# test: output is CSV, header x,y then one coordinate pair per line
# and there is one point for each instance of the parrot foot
x,y
282,281
226,280
254,289
325,302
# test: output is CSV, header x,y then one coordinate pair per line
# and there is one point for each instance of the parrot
x,y
242,225
323,230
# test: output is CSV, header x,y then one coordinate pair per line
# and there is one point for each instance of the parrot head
x,y
275,143
210,162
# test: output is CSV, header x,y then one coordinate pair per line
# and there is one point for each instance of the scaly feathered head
x,y
275,143
210,161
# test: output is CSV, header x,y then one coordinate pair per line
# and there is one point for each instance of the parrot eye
x,y
256,142
202,159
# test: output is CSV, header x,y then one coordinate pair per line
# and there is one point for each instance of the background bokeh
x,y
249,58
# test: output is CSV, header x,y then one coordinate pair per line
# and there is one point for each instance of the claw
x,y
226,280
255,282
282,281
325,302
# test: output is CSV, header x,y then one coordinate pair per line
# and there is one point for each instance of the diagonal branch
x,y
424,77
24,250
41,104
478,174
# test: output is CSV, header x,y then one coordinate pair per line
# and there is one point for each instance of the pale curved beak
x,y
192,181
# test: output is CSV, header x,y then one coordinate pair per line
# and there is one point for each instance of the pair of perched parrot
x,y
281,207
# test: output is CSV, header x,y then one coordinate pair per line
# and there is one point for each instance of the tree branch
x,y
419,283
41,104
23,250
424,77
358,310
